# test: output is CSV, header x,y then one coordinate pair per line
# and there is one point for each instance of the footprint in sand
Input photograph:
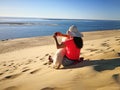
x,y
11,64
47,54
15,67
10,76
6,70
117,39
106,40
105,44
25,69
108,48
116,77
41,58
119,43
37,57
1,73
4,64
118,53
45,63
18,64
44,56
28,61
9,69
34,71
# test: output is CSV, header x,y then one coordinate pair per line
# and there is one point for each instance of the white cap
x,y
73,31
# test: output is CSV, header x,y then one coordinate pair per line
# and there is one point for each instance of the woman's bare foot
x,y
50,59
56,67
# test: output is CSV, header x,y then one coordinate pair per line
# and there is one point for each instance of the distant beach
x,y
11,28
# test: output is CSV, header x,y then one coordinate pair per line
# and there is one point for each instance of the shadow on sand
x,y
99,65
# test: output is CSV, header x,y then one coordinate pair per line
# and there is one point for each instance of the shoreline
x,y
6,39
22,43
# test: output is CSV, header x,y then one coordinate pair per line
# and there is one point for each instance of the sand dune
x,y
24,64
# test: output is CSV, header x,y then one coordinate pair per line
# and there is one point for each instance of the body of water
x,y
11,28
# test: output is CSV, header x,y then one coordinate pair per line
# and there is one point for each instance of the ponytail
x,y
78,42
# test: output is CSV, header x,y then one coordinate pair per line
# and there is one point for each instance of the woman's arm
x,y
56,41
60,34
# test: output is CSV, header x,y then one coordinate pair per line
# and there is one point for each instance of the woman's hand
x,y
58,34
57,44
54,35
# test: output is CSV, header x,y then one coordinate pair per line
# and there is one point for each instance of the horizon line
x,y
55,18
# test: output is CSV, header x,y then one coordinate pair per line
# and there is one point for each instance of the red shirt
x,y
72,52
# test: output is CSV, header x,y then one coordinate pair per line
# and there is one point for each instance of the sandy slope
x,y
23,64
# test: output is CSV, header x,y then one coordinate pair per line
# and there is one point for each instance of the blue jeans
x,y
67,62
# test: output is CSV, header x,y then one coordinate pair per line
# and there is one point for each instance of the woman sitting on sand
x,y
68,52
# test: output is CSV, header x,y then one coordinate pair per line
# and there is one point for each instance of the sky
x,y
66,9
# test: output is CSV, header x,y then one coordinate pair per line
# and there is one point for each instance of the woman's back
x,y
78,41
72,51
